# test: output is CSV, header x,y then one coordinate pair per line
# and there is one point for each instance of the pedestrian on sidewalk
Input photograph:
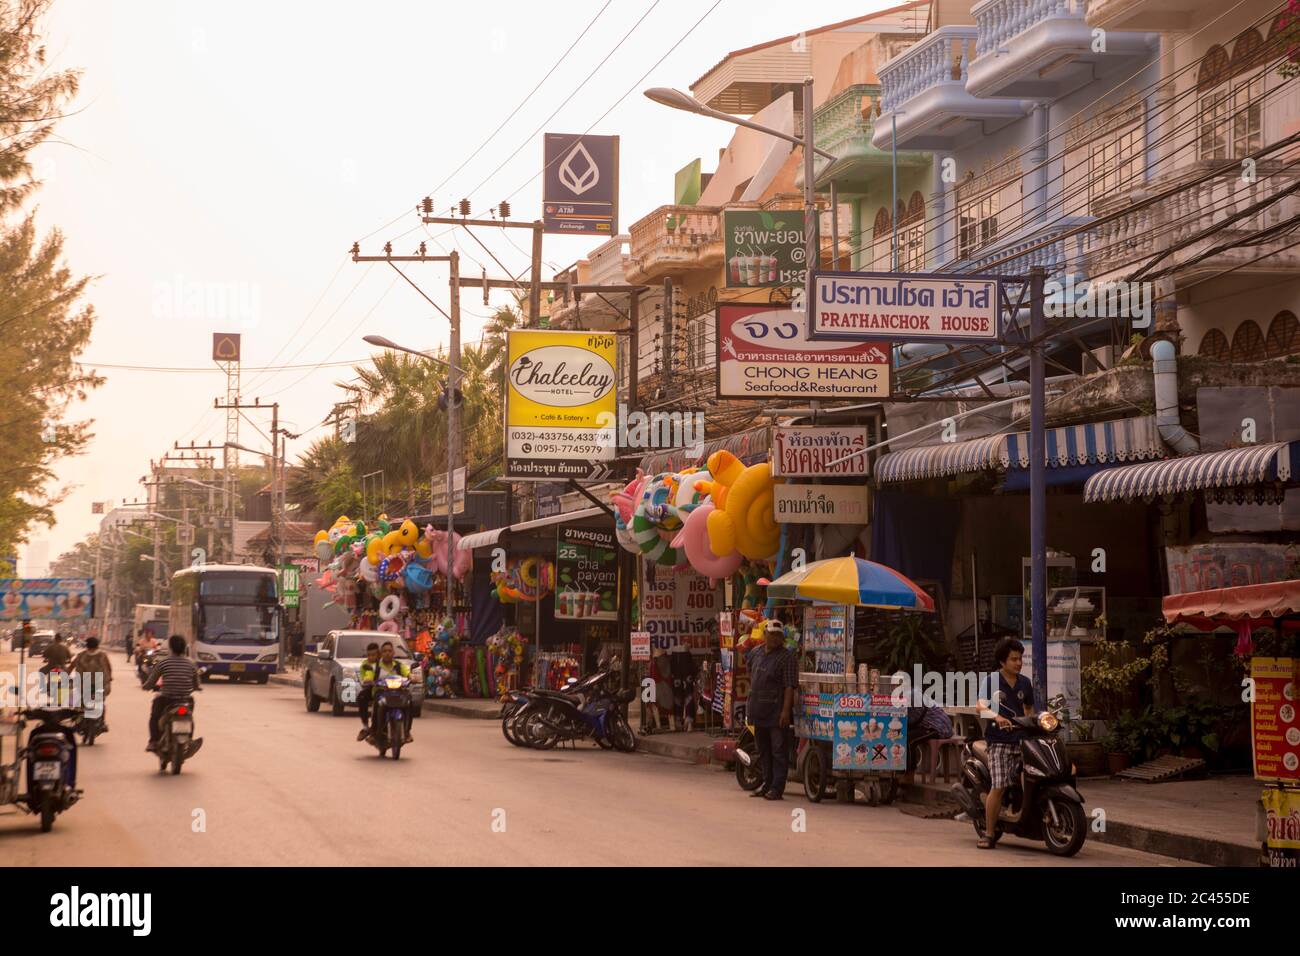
x,y
773,679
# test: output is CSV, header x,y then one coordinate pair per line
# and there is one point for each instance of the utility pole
x,y
1037,488
235,408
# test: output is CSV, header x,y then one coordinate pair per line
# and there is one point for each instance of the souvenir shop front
x,y
552,592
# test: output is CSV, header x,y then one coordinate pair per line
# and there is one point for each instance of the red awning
x,y
1253,603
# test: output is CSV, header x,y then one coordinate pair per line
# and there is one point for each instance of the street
x,y
279,786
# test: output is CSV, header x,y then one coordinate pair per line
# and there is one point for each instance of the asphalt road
x,y
274,784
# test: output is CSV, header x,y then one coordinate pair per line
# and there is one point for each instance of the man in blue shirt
x,y
773,680
1015,699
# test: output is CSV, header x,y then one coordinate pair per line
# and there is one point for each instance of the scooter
x,y
388,721
176,740
1045,803
51,759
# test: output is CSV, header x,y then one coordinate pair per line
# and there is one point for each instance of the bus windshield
x,y
239,624
238,588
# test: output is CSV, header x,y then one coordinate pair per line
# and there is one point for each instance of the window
x,y
1247,343
697,341
1214,345
1115,164
977,224
1283,335
881,236
1230,93
911,234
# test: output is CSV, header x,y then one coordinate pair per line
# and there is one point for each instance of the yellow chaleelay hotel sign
x,y
561,404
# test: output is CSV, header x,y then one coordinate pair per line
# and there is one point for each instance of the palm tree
x,y
400,418
323,485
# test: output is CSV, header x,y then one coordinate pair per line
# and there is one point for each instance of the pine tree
x,y
44,325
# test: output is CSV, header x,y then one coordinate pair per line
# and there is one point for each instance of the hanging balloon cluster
x,y
396,564
717,520
528,579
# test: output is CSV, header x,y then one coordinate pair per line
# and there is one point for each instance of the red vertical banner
x,y
1275,720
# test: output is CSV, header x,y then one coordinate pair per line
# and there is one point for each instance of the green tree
x,y
323,485
43,323
399,432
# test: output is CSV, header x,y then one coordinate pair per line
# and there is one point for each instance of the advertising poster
x,y
870,733
580,184
561,405
826,634
640,646
902,307
586,574
814,718
764,352
679,607
764,248
34,599
1274,723
1281,828
817,452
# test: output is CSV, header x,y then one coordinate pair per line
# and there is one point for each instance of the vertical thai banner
x,y
1274,722
561,405
678,607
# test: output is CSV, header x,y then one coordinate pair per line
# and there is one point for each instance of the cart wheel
x,y
814,774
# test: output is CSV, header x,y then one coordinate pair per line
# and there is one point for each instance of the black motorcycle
x,y
1044,804
590,708
146,661
51,759
392,703
90,727
176,740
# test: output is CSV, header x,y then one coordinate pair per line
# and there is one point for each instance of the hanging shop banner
x,y
764,352
870,733
678,607
34,599
826,632
580,184
290,585
1229,564
561,405
905,307
820,504
1274,720
640,645
764,247
586,574
816,452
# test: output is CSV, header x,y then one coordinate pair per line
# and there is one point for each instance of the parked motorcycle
x,y
1045,803
392,702
51,759
176,740
586,709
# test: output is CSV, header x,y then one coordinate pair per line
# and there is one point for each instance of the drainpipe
x,y
1038,158
1164,365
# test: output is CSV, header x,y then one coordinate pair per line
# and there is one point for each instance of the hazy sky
x,y
231,153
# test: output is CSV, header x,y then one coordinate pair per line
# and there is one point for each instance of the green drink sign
x,y
586,569
764,248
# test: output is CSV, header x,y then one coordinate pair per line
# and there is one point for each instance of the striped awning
x,y
1099,443
1233,468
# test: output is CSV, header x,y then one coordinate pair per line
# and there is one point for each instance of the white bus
x,y
231,616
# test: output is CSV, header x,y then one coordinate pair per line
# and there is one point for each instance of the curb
x,y
678,751
1132,836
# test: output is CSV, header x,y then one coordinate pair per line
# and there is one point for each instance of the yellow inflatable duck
x,y
743,518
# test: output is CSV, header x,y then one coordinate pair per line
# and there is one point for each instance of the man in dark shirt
x,y
180,680
1015,699
773,679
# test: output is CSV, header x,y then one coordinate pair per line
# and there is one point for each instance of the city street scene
x,y
647,433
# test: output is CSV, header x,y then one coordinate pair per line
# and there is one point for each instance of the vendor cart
x,y
850,720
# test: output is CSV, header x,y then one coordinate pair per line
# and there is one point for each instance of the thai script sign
x,y
904,306
820,504
561,404
586,570
764,352
678,607
1208,567
764,247
817,452
1275,719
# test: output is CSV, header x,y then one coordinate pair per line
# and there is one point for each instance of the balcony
x,y
1173,16
675,239
1044,49
1123,244
605,265
1059,258
843,126
923,89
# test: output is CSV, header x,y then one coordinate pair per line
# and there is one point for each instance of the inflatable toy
x,y
389,607
743,518
694,541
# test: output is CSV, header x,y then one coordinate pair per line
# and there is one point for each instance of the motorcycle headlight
x,y
1047,721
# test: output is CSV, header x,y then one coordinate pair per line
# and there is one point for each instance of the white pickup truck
x,y
332,672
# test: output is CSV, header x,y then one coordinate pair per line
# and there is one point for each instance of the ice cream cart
x,y
851,720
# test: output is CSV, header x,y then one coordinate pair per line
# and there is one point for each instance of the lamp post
x,y
453,414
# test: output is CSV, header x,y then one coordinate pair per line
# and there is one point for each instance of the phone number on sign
x,y
544,448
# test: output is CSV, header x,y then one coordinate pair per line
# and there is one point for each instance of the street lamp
x,y
676,99
452,407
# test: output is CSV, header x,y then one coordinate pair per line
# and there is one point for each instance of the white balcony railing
x,y
999,21
675,237
941,58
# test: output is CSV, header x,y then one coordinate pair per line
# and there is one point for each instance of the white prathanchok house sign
x,y
820,504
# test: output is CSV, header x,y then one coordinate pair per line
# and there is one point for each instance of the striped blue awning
x,y
1129,439
1234,468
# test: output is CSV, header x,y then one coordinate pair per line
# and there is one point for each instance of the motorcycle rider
x,y
180,680
387,666
367,693
1015,699
57,654
145,642
94,661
